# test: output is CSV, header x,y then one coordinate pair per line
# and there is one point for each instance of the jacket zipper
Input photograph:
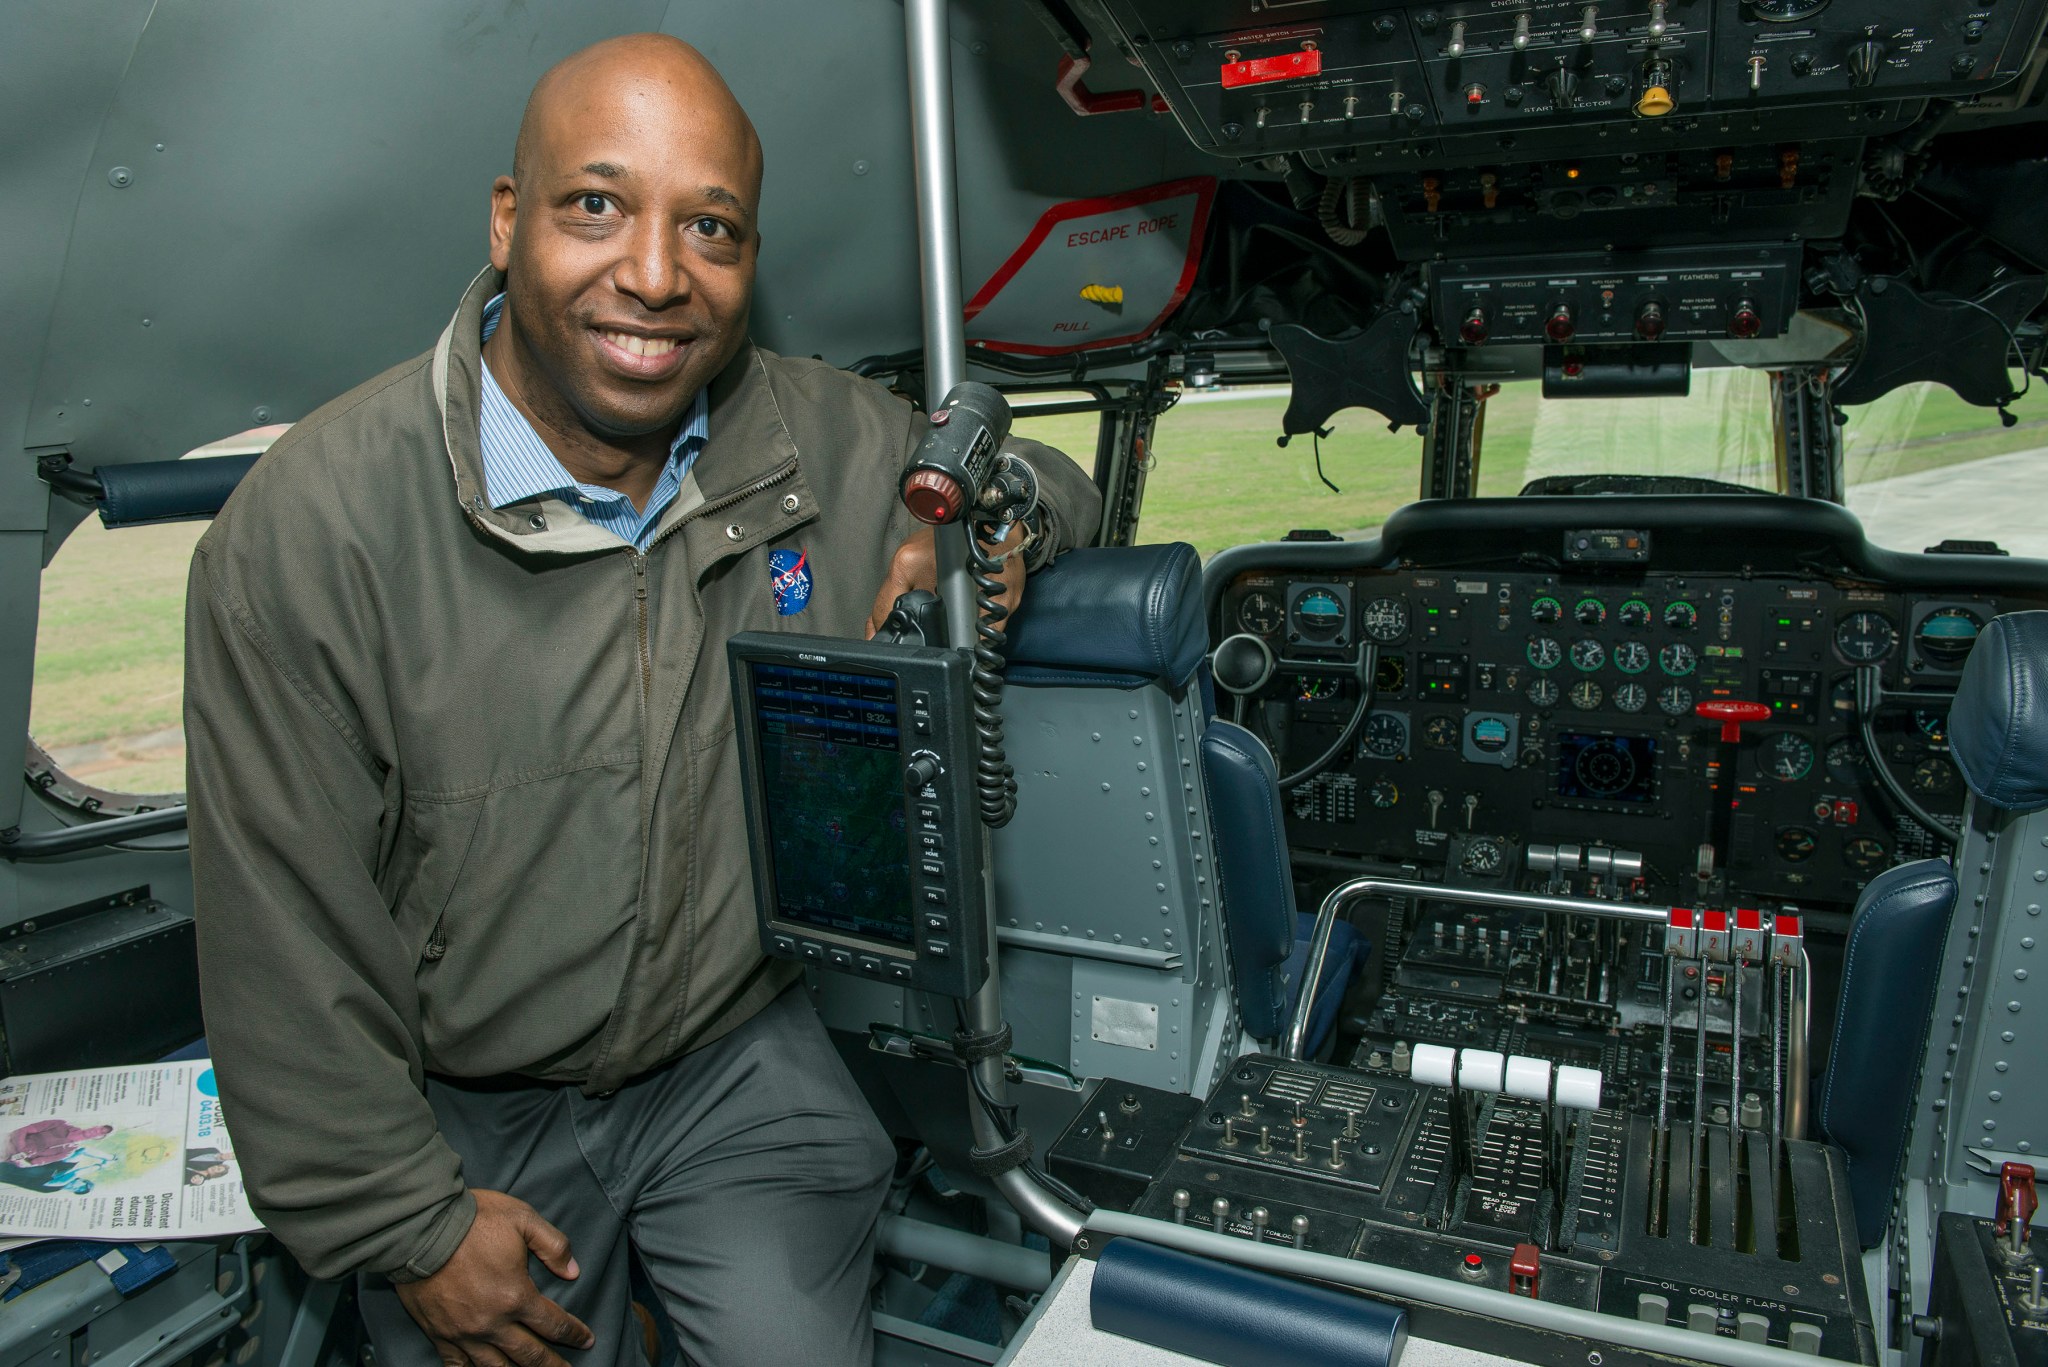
x,y
767,481
640,612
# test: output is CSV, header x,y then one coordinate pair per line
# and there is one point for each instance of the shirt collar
x,y
518,465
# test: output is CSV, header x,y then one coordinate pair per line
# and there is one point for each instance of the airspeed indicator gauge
x,y
1385,620
1788,757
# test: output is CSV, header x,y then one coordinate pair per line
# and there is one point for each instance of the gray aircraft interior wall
x,y
225,212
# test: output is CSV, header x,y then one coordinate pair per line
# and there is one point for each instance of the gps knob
x,y
933,496
923,770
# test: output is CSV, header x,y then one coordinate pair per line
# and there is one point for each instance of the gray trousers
x,y
747,1176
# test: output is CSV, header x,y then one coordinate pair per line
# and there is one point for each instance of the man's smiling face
x,y
628,237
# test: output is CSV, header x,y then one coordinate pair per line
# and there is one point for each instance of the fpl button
x,y
935,897
1288,66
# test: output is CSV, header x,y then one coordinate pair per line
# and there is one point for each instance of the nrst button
x,y
938,949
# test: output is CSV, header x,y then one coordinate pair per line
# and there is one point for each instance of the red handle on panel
x,y
1732,713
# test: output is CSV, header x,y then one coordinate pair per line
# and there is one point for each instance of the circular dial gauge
x,y
1586,695
1845,760
1934,776
1865,855
1542,693
1440,732
1795,844
1786,11
1385,620
1932,724
1391,675
1318,613
1632,657
1944,637
1314,688
1544,611
1674,700
1865,637
1383,794
1588,655
1635,614
1678,660
1788,757
1605,767
1631,697
1386,736
1483,855
1590,612
1261,614
1681,616
1544,652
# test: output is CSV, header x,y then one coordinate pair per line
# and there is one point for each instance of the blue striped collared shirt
x,y
518,464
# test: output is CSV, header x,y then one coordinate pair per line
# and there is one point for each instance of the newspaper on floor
x,y
129,1155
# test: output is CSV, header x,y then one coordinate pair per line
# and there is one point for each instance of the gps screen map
x,y
832,780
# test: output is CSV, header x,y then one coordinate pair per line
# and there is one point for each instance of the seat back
x,y
1252,870
1109,914
1975,1108
1889,972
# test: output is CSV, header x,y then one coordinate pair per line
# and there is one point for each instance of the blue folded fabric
x,y
134,1268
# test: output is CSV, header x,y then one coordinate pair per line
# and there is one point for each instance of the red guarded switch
x,y
1288,66
1525,1270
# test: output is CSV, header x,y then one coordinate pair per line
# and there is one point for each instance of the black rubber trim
x,y
1001,1159
973,1048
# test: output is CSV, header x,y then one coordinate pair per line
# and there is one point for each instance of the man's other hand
x,y
916,566
482,1307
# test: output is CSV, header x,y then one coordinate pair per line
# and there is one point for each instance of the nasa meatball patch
x,y
789,574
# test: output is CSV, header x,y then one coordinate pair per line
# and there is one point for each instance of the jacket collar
x,y
749,441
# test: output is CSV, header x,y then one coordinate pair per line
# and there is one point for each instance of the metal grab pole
x,y
945,365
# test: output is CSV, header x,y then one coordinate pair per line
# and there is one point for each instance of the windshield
x,y
1922,465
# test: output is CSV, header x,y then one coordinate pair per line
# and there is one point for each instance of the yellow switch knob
x,y
1656,103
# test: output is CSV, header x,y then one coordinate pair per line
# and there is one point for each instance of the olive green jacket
x,y
465,795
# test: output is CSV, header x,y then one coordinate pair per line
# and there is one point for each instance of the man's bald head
x,y
632,57
628,237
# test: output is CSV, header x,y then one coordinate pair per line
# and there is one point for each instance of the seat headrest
x,y
1116,616
1998,728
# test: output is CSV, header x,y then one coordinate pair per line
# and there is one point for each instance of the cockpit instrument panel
x,y
1560,705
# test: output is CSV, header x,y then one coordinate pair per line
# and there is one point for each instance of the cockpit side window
x,y
1925,466
106,729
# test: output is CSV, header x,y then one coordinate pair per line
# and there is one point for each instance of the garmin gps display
x,y
832,790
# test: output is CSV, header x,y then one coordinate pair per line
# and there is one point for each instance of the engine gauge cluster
x,y
1525,707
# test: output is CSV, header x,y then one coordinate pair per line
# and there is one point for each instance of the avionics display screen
x,y
1607,768
833,799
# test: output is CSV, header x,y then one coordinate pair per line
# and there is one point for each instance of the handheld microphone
x,y
954,461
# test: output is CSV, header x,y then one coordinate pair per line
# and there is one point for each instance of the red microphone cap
x,y
932,496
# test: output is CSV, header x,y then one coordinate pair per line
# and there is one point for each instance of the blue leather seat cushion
x,y
1347,955
1116,616
1998,727
1889,971
1249,846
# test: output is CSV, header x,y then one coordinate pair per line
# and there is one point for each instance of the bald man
x,y
475,913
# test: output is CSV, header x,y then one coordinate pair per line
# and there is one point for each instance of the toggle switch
x,y
1589,24
1299,1226
1456,47
1522,31
1181,1202
1260,1218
